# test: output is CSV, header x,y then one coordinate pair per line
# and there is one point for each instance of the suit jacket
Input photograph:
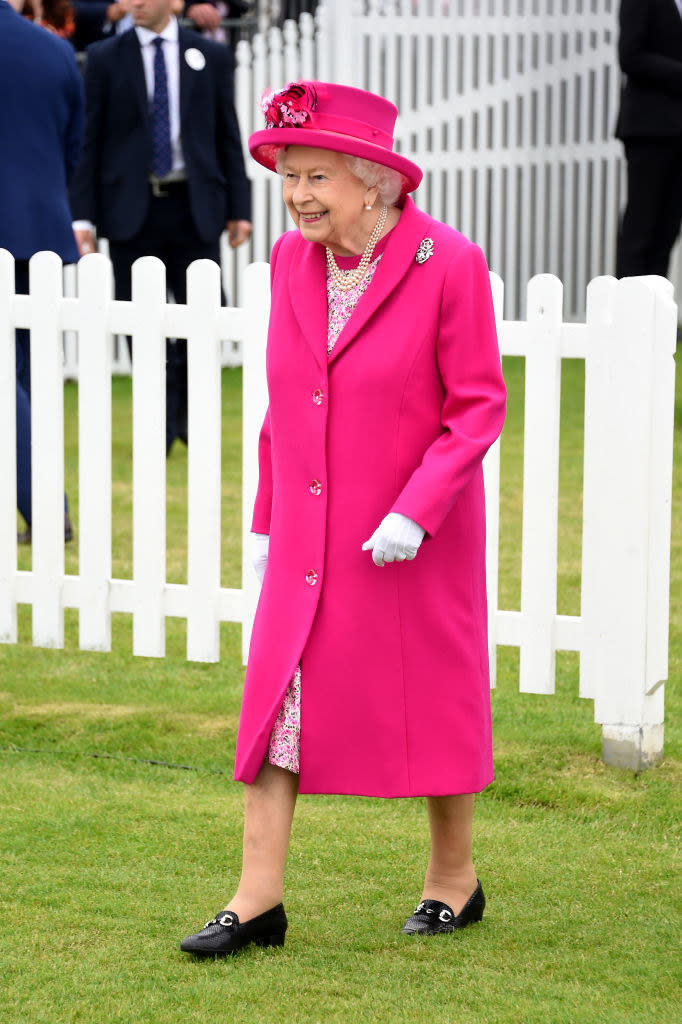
x,y
41,127
650,53
111,186
396,419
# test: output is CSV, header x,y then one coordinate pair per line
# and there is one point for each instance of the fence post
x,y
149,456
632,434
203,469
257,312
491,476
47,446
95,289
541,485
8,443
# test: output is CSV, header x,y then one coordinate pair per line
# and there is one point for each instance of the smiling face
x,y
326,201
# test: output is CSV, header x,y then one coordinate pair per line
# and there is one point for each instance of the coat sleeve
x,y
474,399
73,138
230,153
83,186
262,508
637,59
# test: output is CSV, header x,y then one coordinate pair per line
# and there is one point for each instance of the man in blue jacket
x,y
41,127
162,172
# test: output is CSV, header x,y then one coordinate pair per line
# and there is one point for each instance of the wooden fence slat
x,y
541,485
491,476
8,440
204,467
47,457
660,484
95,286
149,456
601,297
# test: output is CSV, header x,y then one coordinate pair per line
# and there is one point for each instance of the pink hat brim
x,y
265,144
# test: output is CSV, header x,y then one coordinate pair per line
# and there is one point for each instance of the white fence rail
x,y
627,344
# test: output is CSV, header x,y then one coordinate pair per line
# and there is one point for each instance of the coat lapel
x,y
308,296
187,75
132,54
397,259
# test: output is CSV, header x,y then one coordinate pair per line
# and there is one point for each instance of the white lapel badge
x,y
425,250
195,59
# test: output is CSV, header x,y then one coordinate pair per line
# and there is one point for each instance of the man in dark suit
x,y
650,126
41,127
162,172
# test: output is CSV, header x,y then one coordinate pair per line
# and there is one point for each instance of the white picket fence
x,y
627,344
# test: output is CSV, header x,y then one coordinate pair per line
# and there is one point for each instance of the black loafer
x,y
435,918
224,934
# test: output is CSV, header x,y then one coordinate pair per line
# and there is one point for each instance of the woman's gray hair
x,y
388,181
372,174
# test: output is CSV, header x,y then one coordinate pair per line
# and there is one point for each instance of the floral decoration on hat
x,y
289,108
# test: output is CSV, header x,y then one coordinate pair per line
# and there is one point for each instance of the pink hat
x,y
328,116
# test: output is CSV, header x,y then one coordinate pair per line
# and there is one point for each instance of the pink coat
x,y
395,688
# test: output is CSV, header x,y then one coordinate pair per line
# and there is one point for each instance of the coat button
x,y
318,395
315,487
311,577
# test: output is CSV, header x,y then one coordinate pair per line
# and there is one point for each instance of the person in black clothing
x,y
650,126
162,172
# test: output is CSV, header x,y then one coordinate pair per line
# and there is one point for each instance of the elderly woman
x,y
368,669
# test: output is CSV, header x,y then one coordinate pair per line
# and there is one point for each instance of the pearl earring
x,y
368,206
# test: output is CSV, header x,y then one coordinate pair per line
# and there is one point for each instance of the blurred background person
x,y
97,19
41,113
650,127
162,172
56,16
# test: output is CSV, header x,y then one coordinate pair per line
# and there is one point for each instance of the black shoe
x,y
435,918
225,935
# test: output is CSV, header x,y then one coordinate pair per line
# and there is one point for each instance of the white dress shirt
x,y
171,54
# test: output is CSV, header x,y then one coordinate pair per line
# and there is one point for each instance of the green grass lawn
x,y
108,860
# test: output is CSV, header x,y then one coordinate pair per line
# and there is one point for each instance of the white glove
x,y
260,543
396,539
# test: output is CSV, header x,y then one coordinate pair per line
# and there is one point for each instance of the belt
x,y
164,189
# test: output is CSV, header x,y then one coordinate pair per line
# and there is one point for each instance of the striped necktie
x,y
162,159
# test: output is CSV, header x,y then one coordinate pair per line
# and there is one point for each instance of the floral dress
x,y
283,748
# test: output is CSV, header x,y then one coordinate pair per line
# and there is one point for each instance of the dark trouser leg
x,y
23,398
168,233
177,257
651,221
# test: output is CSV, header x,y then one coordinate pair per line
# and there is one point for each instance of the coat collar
x,y
308,283
186,40
132,55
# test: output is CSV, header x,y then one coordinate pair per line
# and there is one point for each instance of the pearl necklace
x,y
347,279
